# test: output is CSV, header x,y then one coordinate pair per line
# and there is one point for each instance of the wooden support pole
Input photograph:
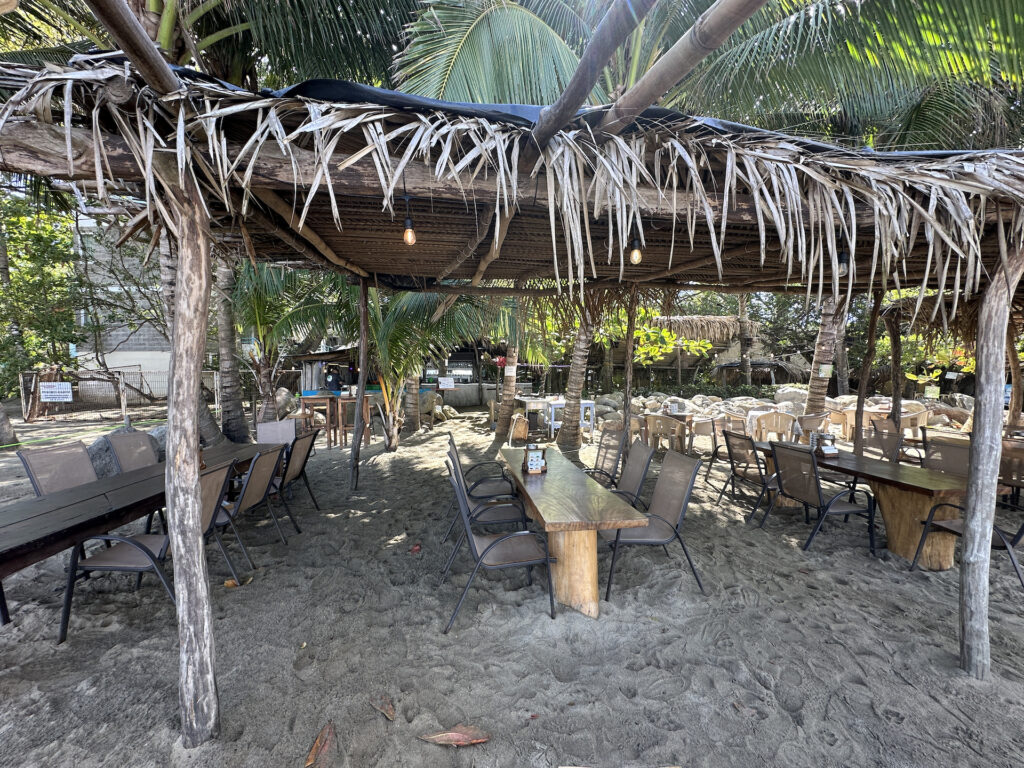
x,y
627,394
893,323
364,369
986,451
200,708
865,372
508,380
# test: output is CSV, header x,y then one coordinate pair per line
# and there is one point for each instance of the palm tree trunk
x,y
569,434
627,398
232,414
265,385
607,369
892,323
842,362
746,340
824,355
412,423
508,391
1016,379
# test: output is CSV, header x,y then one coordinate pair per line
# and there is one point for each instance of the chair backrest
x,y
463,501
742,453
609,451
674,486
812,422
257,482
635,471
887,442
133,450
797,474
947,454
706,427
301,448
213,484
58,468
659,426
775,423
883,423
273,432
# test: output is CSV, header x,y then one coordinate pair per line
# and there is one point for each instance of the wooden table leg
x,y
903,512
575,574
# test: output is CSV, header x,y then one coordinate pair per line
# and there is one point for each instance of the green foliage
x,y
38,307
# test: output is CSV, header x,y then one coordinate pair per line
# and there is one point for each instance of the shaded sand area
x,y
826,658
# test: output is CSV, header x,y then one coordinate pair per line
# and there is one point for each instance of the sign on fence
x,y
446,382
55,391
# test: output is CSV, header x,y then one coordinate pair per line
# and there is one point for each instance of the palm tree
x,y
232,413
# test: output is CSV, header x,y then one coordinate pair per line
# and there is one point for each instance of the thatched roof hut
x,y
326,172
718,329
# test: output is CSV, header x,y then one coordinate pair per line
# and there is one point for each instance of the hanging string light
x,y
635,254
409,236
844,263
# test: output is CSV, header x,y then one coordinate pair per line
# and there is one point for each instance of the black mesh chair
x,y
609,456
630,483
1001,538
257,487
665,514
493,482
883,443
796,471
746,466
500,551
295,469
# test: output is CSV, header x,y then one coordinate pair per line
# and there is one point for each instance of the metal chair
x,y
908,453
214,484
257,487
295,469
947,454
58,468
132,450
499,551
887,444
1001,538
796,470
609,456
747,466
665,514
630,483
490,489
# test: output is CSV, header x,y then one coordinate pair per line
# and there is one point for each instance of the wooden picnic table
x,y
572,507
38,528
335,411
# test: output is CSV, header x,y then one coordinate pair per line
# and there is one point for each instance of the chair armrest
x,y
632,498
126,540
480,464
596,471
540,537
498,501
490,479
849,494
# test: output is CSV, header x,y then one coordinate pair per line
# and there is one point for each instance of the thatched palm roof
x,y
934,318
718,329
714,204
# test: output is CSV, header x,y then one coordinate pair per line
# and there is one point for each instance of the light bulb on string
x,y
635,254
409,235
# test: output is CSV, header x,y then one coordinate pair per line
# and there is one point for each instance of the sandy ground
x,y
826,658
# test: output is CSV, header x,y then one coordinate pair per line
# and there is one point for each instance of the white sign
x,y
55,391
952,374
932,392
510,371
446,382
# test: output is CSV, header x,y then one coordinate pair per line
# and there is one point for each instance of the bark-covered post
x,y
569,435
627,394
865,373
364,368
508,379
233,423
1016,379
746,340
412,422
200,708
892,323
824,356
986,450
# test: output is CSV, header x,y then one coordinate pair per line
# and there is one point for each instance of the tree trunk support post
x,y
1016,379
986,450
824,355
865,373
627,393
364,367
569,435
892,323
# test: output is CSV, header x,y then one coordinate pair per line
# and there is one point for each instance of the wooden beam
x,y
744,250
707,34
279,206
617,24
986,452
484,226
124,28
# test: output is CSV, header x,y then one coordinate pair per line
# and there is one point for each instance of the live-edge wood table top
x,y
566,499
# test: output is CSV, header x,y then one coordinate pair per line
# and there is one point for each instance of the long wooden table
x,y
38,528
572,507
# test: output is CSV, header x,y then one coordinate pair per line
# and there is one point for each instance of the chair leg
x,y
771,508
5,615
1009,551
167,584
138,581
451,526
223,551
817,527
757,505
529,575
462,598
451,557
288,511
270,509
69,589
871,526
725,485
920,544
690,561
611,569
308,488
551,590
241,545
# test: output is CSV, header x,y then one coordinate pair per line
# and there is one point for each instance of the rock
x,y
793,408
601,409
913,406
285,402
659,396
959,400
845,401
159,434
790,395
652,404
102,455
449,412
637,405
607,401
938,420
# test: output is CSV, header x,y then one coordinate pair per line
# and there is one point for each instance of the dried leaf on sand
x,y
321,754
384,705
459,736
